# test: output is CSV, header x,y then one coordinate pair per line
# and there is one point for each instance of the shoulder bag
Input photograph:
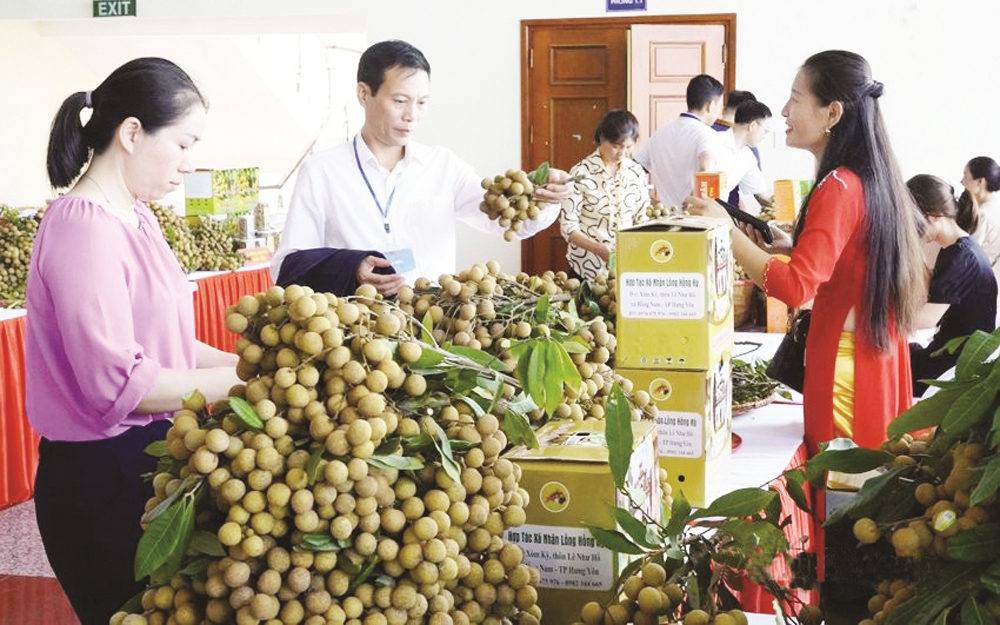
x,y
788,364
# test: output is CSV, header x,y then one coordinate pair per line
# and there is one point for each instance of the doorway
x,y
573,71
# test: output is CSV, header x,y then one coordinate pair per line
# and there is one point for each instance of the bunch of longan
x,y
339,507
199,243
508,201
17,234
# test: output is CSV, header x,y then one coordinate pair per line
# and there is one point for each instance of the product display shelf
x,y
213,292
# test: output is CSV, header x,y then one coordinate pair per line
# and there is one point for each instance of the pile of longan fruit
x,y
317,522
508,201
17,233
199,243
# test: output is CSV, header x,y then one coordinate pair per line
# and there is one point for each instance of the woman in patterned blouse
x,y
610,192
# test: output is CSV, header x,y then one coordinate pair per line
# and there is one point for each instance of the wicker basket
x,y
743,299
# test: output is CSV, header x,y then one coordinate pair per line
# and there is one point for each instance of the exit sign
x,y
114,8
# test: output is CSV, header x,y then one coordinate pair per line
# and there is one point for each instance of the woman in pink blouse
x,y
110,345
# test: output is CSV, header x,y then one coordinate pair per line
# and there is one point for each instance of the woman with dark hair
x,y
981,180
110,344
962,293
611,191
856,254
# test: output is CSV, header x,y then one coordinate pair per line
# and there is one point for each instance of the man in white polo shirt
x,y
686,145
380,209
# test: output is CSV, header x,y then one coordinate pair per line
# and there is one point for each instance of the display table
x,y
214,292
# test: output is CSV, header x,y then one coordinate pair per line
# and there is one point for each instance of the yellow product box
x,y
788,196
693,426
570,486
221,191
674,282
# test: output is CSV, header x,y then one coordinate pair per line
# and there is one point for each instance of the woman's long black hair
x,y
894,278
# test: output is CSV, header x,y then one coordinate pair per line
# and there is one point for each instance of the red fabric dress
x,y
828,265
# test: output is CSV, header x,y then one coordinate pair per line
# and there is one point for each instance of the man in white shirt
x,y
686,145
741,165
381,209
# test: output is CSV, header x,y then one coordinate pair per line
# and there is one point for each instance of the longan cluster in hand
x,y
17,233
648,597
508,201
316,523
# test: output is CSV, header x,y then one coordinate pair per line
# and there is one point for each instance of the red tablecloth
x,y
215,294
18,442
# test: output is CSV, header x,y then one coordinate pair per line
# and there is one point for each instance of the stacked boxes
x,y
570,486
674,278
220,191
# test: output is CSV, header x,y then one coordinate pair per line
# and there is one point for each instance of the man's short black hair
x,y
738,97
385,55
751,111
701,90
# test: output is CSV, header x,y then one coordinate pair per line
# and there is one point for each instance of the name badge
x,y
402,260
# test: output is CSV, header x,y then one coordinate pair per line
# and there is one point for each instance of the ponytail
x,y
68,151
968,213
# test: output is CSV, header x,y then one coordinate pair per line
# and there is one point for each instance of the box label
x,y
566,557
648,295
679,434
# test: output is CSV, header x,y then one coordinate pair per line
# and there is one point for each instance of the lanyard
x,y
383,211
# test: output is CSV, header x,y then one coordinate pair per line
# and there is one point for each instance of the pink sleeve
x,y
86,279
835,212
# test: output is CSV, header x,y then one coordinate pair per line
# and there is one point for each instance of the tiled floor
x,y
29,594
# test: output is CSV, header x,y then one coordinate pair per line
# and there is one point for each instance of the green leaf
x,y
312,466
391,461
162,539
974,614
428,362
614,540
364,573
517,427
871,495
944,586
991,582
977,349
186,485
794,481
534,384
618,434
854,460
926,412
553,354
479,357
680,516
246,414
542,309
972,406
636,529
197,567
427,328
738,503
318,542
541,175
976,544
158,449
207,543
989,483
576,345
441,443
134,605
568,372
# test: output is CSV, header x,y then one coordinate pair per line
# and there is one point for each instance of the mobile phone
x,y
740,216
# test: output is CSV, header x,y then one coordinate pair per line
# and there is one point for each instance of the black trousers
x,y
89,497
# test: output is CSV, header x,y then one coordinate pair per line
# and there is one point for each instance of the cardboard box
x,y
570,485
694,426
220,191
674,281
709,184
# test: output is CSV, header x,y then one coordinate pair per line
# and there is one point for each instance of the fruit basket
x,y
752,388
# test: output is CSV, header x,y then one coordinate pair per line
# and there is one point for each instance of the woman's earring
x,y
827,132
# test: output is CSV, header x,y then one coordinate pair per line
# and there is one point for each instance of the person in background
x,y
741,165
962,292
686,145
610,192
110,341
981,180
726,121
856,254
380,209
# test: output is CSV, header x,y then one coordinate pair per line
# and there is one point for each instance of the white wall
x,y
936,60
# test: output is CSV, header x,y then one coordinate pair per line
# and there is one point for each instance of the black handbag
x,y
788,363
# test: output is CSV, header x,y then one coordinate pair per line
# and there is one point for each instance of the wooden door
x,y
575,76
572,72
665,57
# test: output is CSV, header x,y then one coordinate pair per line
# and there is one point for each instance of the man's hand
x,y
384,283
559,187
